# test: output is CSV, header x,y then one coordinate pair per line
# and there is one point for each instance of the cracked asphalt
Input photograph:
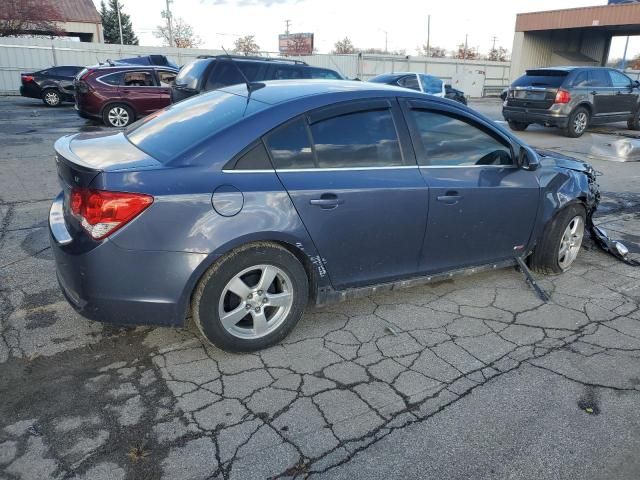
x,y
472,378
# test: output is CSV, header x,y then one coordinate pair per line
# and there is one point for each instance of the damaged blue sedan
x,y
243,205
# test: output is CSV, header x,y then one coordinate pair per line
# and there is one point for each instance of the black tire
x,y
576,126
51,97
115,111
517,126
211,294
634,122
545,257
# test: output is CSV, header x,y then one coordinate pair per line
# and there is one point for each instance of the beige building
x,y
575,36
80,19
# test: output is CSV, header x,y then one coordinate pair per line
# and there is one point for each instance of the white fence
x,y
29,54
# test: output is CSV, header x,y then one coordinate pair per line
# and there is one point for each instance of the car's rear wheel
x,y
51,98
578,122
517,126
561,241
117,115
251,298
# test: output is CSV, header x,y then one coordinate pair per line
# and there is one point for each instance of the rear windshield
x,y
384,78
541,78
190,74
169,132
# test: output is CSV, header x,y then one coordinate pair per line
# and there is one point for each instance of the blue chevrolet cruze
x,y
242,205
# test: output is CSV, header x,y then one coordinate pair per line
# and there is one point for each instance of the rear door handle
x,y
450,198
327,201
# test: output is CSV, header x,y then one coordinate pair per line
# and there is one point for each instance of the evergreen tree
x,y
110,24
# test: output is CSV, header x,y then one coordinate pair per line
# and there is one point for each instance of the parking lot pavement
x,y
472,378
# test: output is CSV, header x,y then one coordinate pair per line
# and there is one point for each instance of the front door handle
x,y
594,93
327,201
450,198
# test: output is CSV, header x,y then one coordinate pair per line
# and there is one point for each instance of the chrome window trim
x,y
124,72
468,166
299,170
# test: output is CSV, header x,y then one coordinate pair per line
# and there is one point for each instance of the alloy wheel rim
x,y
570,242
118,117
255,302
580,122
52,98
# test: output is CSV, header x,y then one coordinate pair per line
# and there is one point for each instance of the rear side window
x,y
287,73
255,159
138,79
66,71
431,85
113,79
167,133
619,79
541,78
360,139
290,146
190,74
599,78
321,73
449,141
410,81
581,79
226,74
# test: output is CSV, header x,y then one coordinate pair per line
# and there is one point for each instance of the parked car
x,y
211,72
572,98
52,85
504,93
118,95
455,94
241,207
420,82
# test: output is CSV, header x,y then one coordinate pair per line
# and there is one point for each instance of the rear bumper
x,y
542,117
106,283
29,92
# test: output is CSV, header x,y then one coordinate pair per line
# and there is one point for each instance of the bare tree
x,y
246,45
435,52
466,52
344,46
29,17
183,35
381,51
499,54
298,44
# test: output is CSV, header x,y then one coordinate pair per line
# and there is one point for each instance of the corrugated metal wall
x,y
30,54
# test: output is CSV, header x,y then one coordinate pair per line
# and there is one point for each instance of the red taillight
x,y
86,74
101,213
27,78
562,97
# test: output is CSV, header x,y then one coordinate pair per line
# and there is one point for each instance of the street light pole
x,y
119,21
428,34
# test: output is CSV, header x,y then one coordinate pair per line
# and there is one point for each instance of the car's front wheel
x,y
117,115
561,241
51,98
517,126
578,122
251,298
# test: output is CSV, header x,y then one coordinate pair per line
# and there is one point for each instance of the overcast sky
x,y
220,22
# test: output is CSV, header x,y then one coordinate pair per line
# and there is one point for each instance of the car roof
x,y
124,66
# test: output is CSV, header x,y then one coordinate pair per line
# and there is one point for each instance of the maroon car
x,y
118,95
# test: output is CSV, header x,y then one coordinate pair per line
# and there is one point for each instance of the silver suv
x,y
572,98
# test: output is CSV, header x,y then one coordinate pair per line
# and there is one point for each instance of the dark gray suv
x,y
572,98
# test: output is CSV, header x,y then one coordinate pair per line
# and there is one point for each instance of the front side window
x,y
410,81
619,79
360,139
449,141
138,79
290,146
431,85
190,74
228,73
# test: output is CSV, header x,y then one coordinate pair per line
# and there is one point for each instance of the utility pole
x,y
119,22
494,38
624,55
170,23
287,23
386,50
466,46
428,34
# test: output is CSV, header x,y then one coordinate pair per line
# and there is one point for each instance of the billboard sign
x,y
295,43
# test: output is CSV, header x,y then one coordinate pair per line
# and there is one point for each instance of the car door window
x,y
290,146
599,78
360,139
287,73
431,85
410,81
619,80
228,73
450,141
138,79
166,78
113,79
581,79
324,74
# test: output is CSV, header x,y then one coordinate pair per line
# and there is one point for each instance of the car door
x,y
139,89
604,99
625,95
354,182
482,207
164,79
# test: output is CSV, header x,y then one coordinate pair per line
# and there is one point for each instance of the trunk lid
x,y
536,89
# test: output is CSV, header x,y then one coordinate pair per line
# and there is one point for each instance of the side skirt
x,y
329,295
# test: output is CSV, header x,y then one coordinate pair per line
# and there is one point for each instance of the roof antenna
x,y
251,86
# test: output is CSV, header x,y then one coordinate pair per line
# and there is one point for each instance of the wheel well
x,y
585,105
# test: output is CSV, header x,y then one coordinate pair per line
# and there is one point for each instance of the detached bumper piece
x,y
613,247
544,296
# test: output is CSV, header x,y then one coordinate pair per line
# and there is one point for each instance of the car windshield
x,y
541,78
169,132
191,73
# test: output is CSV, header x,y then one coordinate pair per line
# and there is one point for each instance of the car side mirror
x,y
635,84
528,159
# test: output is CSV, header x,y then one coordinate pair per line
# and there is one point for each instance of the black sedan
x,y
52,85
454,94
